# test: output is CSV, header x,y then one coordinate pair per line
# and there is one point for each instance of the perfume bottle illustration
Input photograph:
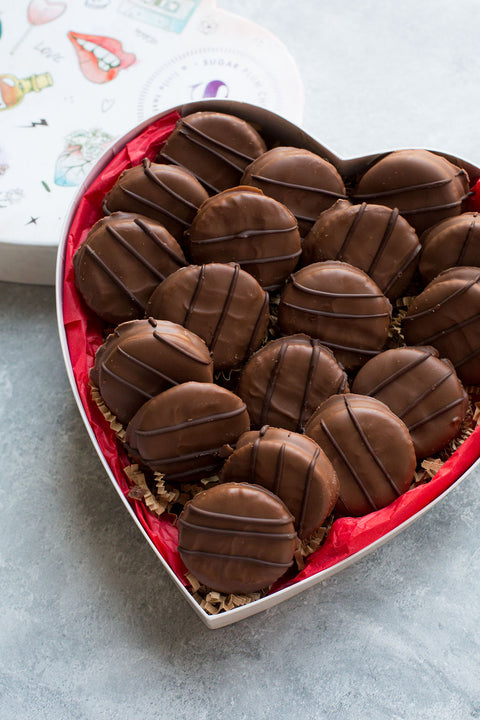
x,y
12,89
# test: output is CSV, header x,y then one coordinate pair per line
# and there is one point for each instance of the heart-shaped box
x,y
349,539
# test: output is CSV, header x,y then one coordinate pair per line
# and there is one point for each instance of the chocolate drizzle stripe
x,y
252,473
409,260
351,230
138,256
241,558
312,366
136,361
409,188
242,519
242,533
467,358
294,186
400,372
245,235
371,451
361,351
159,242
166,188
336,315
206,454
193,423
226,307
183,351
253,338
452,328
216,153
434,208
149,203
279,470
125,382
194,298
191,128
328,293
270,259
113,277
392,220
459,291
184,167
306,491
435,414
466,241
349,465
267,399
413,404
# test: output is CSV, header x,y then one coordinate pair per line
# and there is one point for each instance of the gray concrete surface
x,y
91,628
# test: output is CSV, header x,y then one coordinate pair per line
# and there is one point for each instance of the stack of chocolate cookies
x,y
247,294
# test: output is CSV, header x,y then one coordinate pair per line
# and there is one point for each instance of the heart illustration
x,y
40,12
349,538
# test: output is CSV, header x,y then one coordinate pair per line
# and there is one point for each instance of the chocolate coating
x,y
122,260
285,381
168,194
243,225
304,182
374,238
370,449
447,315
452,242
421,389
215,147
236,537
298,472
181,431
425,187
219,302
341,306
142,358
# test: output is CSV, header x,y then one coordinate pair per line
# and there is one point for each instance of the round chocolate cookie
x,y
304,182
421,389
447,315
370,448
298,472
182,431
215,147
425,187
452,242
374,238
341,306
287,379
122,260
219,302
142,358
168,194
243,225
236,537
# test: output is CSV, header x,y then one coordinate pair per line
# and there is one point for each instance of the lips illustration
x,y
100,58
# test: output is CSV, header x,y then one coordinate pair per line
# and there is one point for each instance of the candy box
x,y
348,539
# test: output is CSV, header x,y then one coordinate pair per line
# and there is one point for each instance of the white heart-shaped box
x,y
76,325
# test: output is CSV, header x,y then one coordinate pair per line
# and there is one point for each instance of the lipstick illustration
x,y
100,58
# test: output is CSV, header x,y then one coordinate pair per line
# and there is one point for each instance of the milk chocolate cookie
x,y
285,381
215,147
236,537
219,302
370,449
425,187
374,238
341,306
245,226
122,260
168,194
142,358
447,315
454,241
304,182
421,389
298,472
182,431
